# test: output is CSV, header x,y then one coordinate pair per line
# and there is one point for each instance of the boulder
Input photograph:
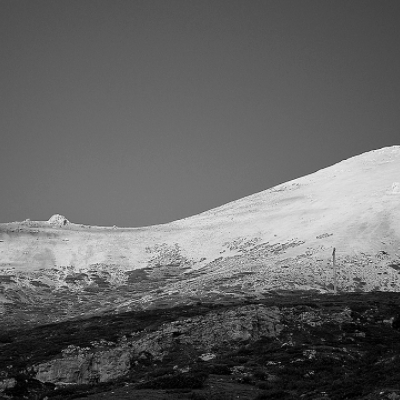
x,y
58,220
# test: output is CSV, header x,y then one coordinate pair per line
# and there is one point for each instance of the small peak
x,y
59,220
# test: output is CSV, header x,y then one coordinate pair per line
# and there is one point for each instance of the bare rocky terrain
x,y
236,301
286,346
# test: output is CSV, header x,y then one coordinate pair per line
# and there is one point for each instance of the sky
x,y
141,112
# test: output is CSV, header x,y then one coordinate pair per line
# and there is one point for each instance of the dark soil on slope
x,y
353,360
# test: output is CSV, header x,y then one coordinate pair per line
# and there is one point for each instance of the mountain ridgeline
x,y
278,239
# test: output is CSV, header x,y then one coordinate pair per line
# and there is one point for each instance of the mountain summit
x,y
278,239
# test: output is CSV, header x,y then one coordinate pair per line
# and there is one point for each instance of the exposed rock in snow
x,y
58,219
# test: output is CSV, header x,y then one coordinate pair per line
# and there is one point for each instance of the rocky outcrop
x,y
107,361
312,317
229,328
85,365
247,323
7,383
58,220
207,334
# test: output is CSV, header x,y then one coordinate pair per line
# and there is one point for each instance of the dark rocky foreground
x,y
291,345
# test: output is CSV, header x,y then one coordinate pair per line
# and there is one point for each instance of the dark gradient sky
x,y
142,112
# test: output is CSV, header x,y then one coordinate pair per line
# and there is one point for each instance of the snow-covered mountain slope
x,y
281,238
